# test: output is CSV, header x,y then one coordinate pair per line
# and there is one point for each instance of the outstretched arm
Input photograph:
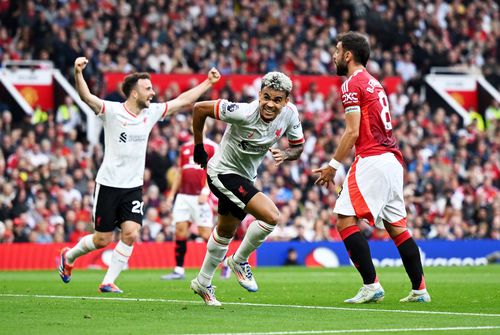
x,y
83,90
187,98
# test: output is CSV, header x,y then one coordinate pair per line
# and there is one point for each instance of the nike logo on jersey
x,y
251,134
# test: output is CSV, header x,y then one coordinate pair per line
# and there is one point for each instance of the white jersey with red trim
x,y
248,138
126,139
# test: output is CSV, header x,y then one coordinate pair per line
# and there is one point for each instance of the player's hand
x,y
326,175
213,75
279,155
200,155
80,64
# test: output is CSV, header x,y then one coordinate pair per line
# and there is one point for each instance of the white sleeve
x,y
108,108
158,111
294,130
231,112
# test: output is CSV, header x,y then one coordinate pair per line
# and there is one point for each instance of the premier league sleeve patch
x,y
232,107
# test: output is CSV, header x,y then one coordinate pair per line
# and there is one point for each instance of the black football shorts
x,y
112,206
233,191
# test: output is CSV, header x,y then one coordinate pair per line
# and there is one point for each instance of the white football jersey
x,y
126,140
248,138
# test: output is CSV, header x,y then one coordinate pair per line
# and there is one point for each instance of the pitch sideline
x,y
349,331
42,296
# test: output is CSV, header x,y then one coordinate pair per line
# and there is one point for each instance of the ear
x,y
347,56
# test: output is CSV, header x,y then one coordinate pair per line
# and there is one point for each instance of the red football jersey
x,y
361,92
194,178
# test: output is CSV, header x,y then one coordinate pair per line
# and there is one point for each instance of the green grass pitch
x,y
291,300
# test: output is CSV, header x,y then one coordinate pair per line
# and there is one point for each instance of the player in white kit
x,y
118,193
253,130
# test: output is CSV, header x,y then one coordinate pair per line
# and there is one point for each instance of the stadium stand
x,y
452,182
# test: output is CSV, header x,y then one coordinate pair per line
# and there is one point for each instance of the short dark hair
x,y
357,44
131,80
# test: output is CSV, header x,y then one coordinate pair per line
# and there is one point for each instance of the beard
x,y
341,68
143,104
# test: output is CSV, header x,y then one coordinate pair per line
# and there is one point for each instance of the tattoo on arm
x,y
293,152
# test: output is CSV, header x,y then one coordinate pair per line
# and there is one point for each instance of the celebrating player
x,y
253,130
118,193
373,189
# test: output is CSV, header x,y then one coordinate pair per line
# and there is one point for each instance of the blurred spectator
x,y
39,115
453,171
68,115
291,257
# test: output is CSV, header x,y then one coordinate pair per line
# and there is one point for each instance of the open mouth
x,y
269,111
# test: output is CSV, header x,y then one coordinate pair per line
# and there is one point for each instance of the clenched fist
x,y
213,75
80,64
200,155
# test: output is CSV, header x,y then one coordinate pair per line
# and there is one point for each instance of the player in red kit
x,y
373,188
191,204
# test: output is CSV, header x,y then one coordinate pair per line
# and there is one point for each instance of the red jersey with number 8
x,y
364,94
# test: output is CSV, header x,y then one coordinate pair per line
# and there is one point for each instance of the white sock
x,y
216,250
179,270
119,259
256,235
374,286
420,292
84,246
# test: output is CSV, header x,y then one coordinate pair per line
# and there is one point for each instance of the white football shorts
x,y
373,190
187,208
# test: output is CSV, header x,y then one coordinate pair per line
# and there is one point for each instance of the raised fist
x,y
80,64
213,75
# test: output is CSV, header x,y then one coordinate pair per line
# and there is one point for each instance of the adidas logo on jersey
x,y
123,137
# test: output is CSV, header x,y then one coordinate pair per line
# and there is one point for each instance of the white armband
x,y
334,163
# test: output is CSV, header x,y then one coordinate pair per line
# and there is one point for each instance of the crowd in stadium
x,y
452,176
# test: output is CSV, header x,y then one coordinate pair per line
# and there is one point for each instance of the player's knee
x,y
129,237
101,241
273,218
205,233
181,230
226,231
344,222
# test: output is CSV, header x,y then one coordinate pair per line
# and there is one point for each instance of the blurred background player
x,y
253,130
118,192
192,205
373,189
